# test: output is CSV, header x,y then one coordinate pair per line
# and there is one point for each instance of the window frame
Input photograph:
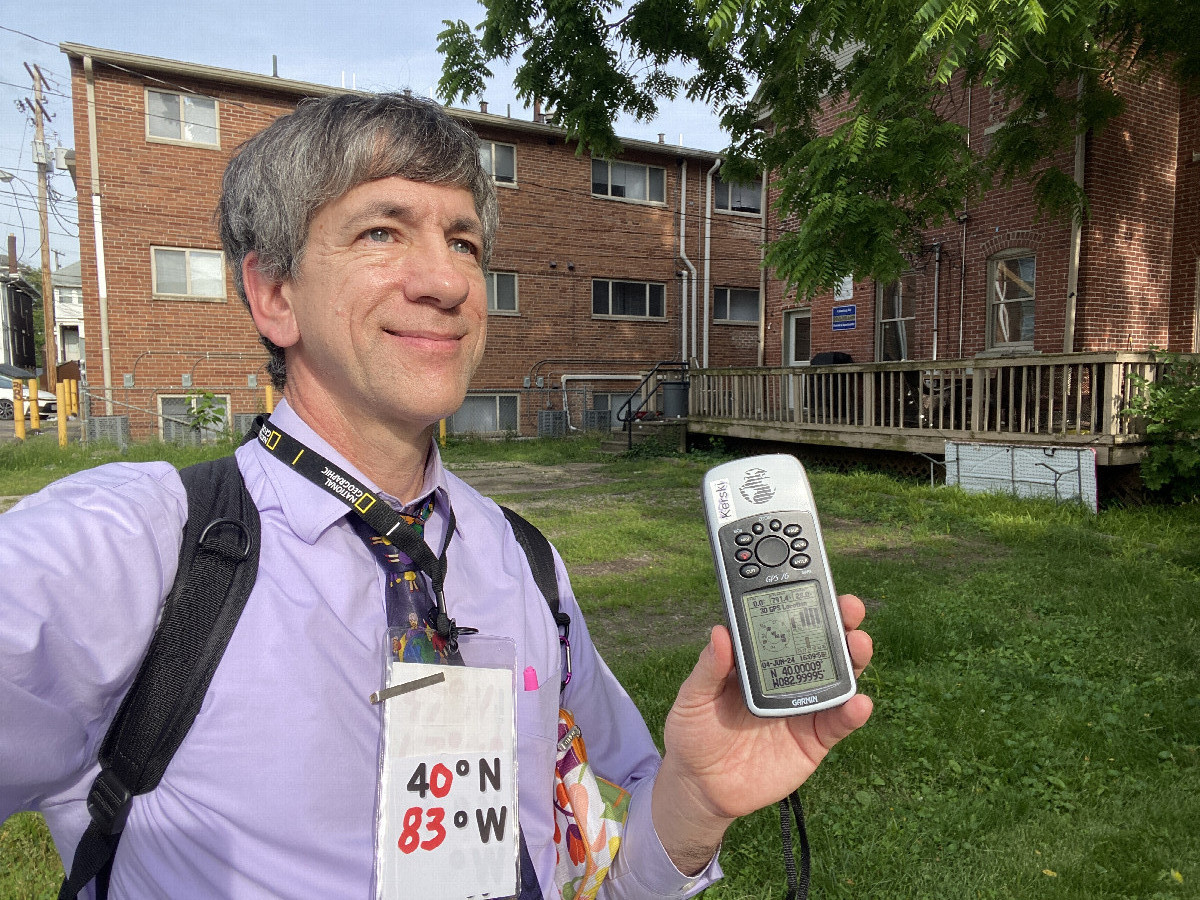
x,y
194,298
492,309
496,397
207,435
907,283
608,163
994,262
730,186
729,292
491,167
623,316
182,141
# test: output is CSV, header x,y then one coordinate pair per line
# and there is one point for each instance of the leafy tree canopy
x,y
854,199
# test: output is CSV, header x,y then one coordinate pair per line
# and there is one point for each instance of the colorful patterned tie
x,y
409,601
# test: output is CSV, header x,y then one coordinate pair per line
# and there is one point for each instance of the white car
x,y
47,402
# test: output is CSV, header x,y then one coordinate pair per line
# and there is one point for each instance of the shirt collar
x,y
310,510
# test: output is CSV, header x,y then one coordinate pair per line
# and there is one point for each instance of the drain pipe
x,y
708,257
1076,238
762,276
98,224
937,272
963,218
683,317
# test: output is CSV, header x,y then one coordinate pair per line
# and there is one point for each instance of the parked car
x,y
47,402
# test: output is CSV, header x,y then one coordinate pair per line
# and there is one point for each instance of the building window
x,y
735,305
68,343
188,273
182,118
502,292
1011,298
629,181
177,415
745,197
613,404
897,304
631,299
499,161
485,414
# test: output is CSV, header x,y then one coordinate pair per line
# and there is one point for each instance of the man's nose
x,y
440,275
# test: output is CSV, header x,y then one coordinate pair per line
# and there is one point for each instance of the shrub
x,y
1170,409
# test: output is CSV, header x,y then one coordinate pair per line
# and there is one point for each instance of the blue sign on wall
x,y
845,318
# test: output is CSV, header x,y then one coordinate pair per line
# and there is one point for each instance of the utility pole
x,y
42,158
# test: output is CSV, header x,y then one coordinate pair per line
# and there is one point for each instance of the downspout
x,y
683,317
1076,240
708,258
937,272
762,275
98,224
962,256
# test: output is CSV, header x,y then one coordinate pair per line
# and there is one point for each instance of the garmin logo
x,y
757,488
722,496
803,701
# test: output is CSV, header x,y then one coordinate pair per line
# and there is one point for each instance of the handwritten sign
x,y
448,824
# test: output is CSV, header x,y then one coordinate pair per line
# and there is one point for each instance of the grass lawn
x,y
1036,678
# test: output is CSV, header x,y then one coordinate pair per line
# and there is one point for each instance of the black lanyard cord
x,y
797,889
365,504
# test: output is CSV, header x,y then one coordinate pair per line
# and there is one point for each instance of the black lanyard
x,y
365,504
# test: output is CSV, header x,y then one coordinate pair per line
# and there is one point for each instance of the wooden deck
x,y
1060,400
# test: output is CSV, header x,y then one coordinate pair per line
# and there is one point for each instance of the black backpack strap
x,y
541,563
218,564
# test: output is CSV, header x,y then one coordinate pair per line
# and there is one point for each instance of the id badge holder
x,y
446,816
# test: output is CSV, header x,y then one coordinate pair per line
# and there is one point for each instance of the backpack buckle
x,y
108,802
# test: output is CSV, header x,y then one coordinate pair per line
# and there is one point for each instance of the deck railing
x,y
1063,397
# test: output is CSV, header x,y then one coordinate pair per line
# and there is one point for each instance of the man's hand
x,y
722,762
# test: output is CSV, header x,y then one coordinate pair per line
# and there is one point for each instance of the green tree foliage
x,y
853,199
1169,407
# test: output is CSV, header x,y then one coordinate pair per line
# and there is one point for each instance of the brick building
x,y
602,269
1000,282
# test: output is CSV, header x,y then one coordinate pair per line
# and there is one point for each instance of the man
x,y
358,230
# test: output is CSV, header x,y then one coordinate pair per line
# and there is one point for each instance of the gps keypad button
x,y
772,551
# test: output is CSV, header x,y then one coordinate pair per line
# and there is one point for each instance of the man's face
x,y
390,307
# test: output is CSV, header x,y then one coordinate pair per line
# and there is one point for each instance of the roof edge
x,y
141,63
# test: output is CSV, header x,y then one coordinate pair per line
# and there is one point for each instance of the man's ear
x,y
269,307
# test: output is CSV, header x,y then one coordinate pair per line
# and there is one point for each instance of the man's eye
x,y
378,235
458,245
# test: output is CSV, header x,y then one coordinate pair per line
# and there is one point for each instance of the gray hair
x,y
281,177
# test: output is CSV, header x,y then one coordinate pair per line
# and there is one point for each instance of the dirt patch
x,y
503,478
614,566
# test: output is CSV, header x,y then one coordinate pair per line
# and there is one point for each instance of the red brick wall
x,y
554,234
1137,286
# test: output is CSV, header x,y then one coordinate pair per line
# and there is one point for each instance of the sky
x,y
372,46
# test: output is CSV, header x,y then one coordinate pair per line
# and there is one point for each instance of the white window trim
x,y
910,322
656,203
494,396
623,318
491,275
180,142
789,315
516,182
162,425
762,203
989,335
191,298
753,323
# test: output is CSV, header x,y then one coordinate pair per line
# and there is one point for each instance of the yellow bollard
x,y
35,415
18,409
270,399
442,434
73,395
63,405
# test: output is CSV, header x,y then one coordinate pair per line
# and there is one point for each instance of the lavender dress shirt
x,y
273,791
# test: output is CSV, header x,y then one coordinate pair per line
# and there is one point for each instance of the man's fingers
x,y
834,724
853,610
861,649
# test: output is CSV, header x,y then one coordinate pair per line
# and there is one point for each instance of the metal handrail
x,y
626,412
